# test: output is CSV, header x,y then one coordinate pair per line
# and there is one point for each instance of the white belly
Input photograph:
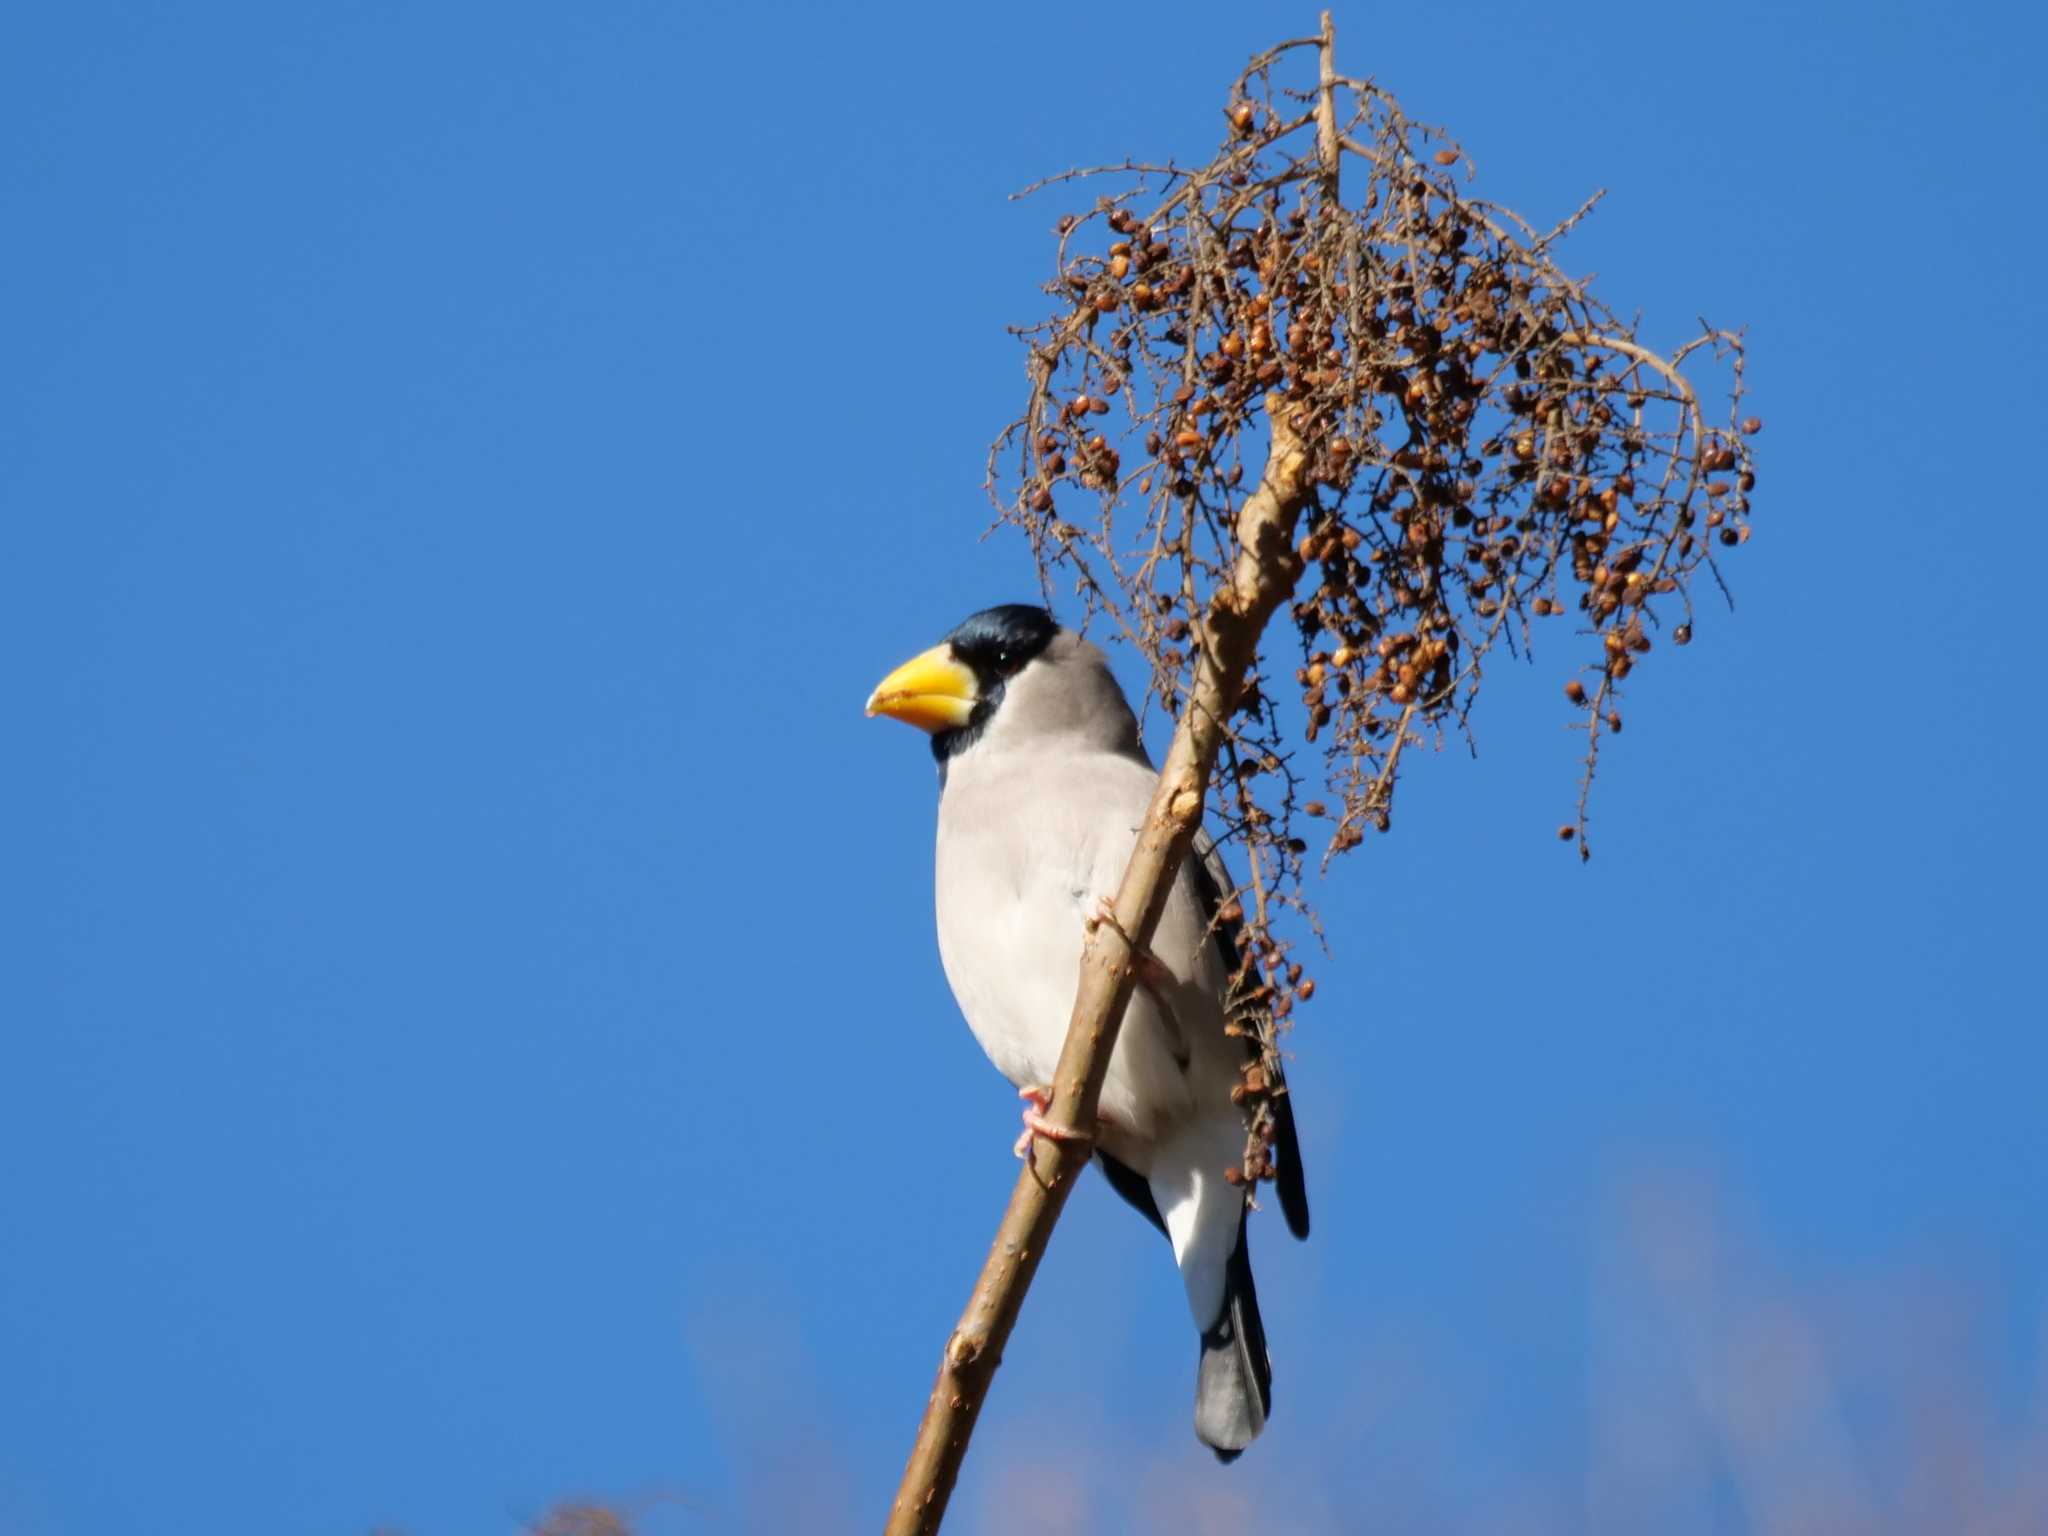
x,y
1015,885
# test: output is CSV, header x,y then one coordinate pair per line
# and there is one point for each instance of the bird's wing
x,y
1212,879
1131,1186
1203,951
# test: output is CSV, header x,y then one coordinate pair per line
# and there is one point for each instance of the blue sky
x,y
470,1029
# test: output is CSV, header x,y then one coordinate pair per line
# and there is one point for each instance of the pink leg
x,y
1152,972
1036,1102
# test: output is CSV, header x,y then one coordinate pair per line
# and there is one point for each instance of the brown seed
x,y
1575,691
1682,635
1306,990
1445,157
1614,721
1565,834
1751,425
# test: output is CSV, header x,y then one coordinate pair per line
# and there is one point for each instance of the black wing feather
x,y
1131,1184
1211,880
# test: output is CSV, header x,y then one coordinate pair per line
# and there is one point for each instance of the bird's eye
x,y
1003,660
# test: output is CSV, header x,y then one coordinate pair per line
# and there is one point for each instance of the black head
x,y
996,642
995,645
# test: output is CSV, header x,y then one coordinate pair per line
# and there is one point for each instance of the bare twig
x,y
1326,108
1266,570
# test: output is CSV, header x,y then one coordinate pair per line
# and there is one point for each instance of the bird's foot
x,y
1152,972
1036,1102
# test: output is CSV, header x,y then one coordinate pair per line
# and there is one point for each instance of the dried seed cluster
x,y
1493,452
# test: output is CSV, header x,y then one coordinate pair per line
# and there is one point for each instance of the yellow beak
x,y
931,691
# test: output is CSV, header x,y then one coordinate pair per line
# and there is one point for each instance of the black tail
x,y
1234,1383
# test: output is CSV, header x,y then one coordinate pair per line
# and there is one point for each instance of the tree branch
x,y
1327,136
1265,572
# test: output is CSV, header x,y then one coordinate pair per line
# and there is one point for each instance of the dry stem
x,y
1265,572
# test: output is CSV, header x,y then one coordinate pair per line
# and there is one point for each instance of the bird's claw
x,y
1036,1102
1153,973
1104,911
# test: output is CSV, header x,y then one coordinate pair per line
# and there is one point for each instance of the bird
x,y
1043,785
